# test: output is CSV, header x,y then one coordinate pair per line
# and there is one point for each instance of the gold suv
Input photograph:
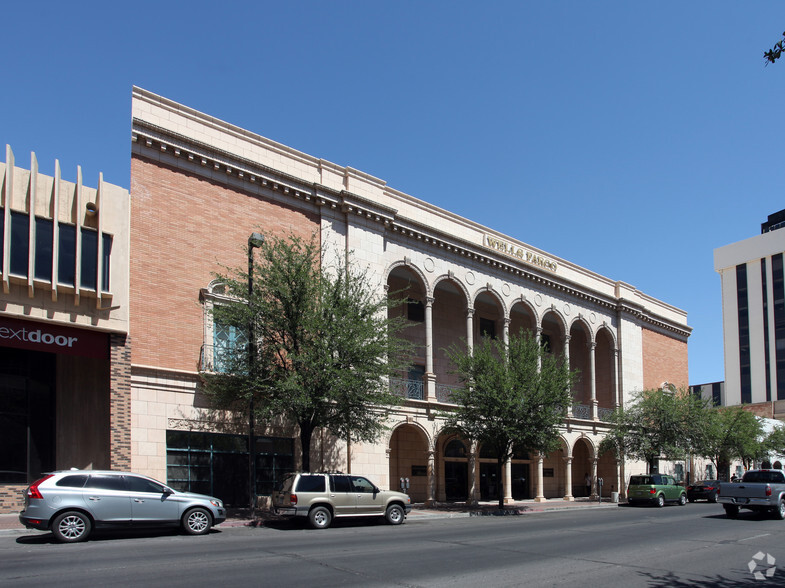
x,y
322,497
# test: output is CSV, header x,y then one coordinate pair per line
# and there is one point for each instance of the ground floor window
x,y
217,464
27,408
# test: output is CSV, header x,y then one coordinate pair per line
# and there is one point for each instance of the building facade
x,y
753,317
64,347
201,186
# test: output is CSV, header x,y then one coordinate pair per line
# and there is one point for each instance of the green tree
x,y
774,442
659,423
326,344
731,433
515,395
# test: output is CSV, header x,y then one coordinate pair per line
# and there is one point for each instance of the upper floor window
x,y
415,310
487,328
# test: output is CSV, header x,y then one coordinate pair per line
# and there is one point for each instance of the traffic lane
x,y
616,547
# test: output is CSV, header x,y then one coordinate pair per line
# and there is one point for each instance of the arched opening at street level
x,y
491,479
609,472
580,361
453,483
553,475
582,467
605,373
450,320
409,459
405,284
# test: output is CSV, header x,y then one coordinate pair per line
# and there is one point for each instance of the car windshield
x,y
764,477
640,480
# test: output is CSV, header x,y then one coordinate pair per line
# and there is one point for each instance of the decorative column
x,y
616,396
508,482
593,379
568,479
618,477
506,331
473,486
594,478
567,359
431,478
540,494
430,377
539,342
470,330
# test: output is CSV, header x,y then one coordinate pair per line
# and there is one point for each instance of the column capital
x,y
429,300
469,312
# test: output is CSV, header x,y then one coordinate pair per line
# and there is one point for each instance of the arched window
x,y
455,448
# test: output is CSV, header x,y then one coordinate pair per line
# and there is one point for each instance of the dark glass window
x,y
66,264
137,484
487,328
415,310
765,294
43,249
76,481
310,484
455,449
716,393
340,484
107,253
89,270
217,464
778,290
106,482
742,302
20,242
362,485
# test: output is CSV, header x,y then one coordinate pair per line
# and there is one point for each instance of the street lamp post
x,y
255,240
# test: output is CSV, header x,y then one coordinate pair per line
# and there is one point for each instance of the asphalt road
x,y
694,545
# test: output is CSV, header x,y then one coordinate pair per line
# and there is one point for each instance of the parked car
x,y
703,490
321,497
758,490
74,502
655,489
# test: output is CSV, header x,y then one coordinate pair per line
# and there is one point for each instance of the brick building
x,y
201,186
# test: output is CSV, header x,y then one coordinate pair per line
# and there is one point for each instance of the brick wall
x,y
12,498
183,229
664,360
120,402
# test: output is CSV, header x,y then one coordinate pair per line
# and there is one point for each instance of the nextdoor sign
x,y
52,338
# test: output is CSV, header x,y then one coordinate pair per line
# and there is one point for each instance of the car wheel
x,y
320,517
779,514
682,500
197,521
731,511
394,514
713,498
71,526
692,500
660,501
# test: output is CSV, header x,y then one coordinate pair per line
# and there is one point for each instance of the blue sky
x,y
630,138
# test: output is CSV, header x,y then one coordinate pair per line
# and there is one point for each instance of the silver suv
x,y
72,503
322,497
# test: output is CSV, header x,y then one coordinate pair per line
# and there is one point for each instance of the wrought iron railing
x,y
604,413
444,393
412,389
581,411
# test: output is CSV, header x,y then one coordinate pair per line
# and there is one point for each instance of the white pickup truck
x,y
758,490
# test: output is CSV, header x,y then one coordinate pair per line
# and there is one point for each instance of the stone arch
x,y
456,282
409,448
583,456
605,370
410,267
451,304
413,423
490,314
553,330
523,317
406,281
580,362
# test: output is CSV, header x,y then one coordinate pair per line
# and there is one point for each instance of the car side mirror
x,y
168,491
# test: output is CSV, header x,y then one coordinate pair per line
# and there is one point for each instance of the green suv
x,y
655,489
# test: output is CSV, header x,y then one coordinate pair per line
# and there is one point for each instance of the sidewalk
x,y
9,523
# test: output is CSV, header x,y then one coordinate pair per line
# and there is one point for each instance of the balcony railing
x,y
581,411
412,389
604,413
444,393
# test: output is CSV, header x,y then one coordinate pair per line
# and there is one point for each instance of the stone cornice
x,y
163,141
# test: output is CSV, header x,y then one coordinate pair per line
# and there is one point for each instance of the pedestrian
x,y
587,483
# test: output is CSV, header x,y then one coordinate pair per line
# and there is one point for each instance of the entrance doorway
x,y
456,480
521,487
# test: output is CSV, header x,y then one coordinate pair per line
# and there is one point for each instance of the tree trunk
x,y
306,432
500,485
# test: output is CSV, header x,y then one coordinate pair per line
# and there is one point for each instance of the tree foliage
x,y
731,433
326,344
658,423
514,395
775,52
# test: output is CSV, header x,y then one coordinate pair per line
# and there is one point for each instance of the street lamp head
x,y
255,240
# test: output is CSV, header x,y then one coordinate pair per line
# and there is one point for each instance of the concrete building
x,y
753,317
64,315
200,186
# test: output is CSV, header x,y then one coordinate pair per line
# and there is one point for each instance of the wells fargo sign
x,y
520,253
